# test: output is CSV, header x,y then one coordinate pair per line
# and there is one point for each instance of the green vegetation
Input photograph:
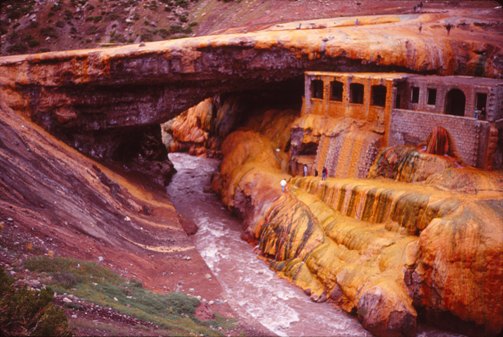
x,y
49,32
19,8
174,311
30,41
29,313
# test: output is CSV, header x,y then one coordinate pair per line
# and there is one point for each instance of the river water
x,y
250,287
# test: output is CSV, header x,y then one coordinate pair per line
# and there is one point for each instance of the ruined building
x,y
388,109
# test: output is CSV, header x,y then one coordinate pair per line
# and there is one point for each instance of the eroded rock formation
x,y
84,91
387,250
384,249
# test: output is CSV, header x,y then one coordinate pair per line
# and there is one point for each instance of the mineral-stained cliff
x,y
87,91
387,250
190,131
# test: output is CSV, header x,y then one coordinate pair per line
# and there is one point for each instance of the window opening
x,y
432,96
379,95
415,95
317,89
356,93
336,91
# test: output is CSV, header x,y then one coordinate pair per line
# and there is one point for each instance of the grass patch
x,y
173,311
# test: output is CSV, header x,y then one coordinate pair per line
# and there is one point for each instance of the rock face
x,y
136,85
101,96
200,129
386,250
62,203
190,131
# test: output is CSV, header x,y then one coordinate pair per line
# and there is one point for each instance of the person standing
x,y
305,170
283,185
324,174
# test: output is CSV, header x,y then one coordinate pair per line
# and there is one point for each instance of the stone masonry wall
x,y
412,127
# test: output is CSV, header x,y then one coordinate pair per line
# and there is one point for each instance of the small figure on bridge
x,y
305,170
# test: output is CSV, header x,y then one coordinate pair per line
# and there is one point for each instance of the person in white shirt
x,y
283,185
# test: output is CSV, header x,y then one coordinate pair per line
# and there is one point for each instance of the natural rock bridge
x,y
150,83
100,99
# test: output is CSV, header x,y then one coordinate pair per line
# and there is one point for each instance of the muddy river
x,y
251,288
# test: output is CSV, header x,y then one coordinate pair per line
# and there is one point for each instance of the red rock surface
x,y
57,202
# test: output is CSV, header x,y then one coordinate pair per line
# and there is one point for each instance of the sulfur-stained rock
x,y
459,268
382,248
408,164
190,131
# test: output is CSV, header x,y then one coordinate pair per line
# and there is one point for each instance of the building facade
x,y
404,108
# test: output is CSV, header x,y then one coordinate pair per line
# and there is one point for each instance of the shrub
x,y
68,15
49,31
113,16
181,304
182,3
176,29
33,43
164,33
27,312
66,279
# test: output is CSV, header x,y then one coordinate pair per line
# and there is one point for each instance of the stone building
x,y
401,108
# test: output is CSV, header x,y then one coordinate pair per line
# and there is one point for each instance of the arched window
x,y
356,93
378,95
455,102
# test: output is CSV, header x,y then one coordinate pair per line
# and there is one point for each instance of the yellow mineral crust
x,y
378,247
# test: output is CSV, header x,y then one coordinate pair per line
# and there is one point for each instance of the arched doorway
x,y
455,102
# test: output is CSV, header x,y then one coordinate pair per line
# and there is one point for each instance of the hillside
x,y
46,25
